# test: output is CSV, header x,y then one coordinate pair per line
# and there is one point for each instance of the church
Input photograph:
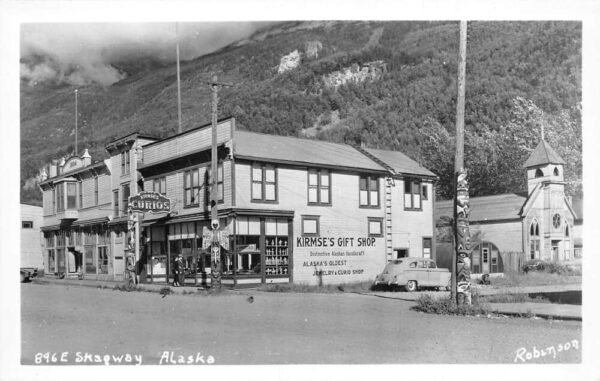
x,y
510,229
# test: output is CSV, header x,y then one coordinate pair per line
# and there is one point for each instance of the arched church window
x,y
539,173
556,171
534,229
567,231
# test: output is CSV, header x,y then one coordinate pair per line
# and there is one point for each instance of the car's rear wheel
x,y
411,286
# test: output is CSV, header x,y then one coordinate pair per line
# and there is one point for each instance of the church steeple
x,y
544,165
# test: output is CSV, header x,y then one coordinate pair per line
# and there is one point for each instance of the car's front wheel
x,y
411,286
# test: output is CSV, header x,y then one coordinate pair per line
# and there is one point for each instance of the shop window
x,y
125,162
264,183
71,196
412,195
27,224
310,225
124,198
102,260
49,239
159,185
276,247
51,268
319,189
427,248
368,191
248,246
191,187
89,259
375,227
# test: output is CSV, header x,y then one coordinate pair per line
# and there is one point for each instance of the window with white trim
x,y
412,194
375,227
191,187
310,225
264,183
319,189
368,191
125,162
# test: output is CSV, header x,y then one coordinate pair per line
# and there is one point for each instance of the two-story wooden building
x,y
296,210
84,221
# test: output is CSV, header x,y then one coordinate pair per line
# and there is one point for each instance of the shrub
x,y
547,267
445,306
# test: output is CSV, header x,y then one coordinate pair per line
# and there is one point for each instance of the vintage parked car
x,y
414,274
27,273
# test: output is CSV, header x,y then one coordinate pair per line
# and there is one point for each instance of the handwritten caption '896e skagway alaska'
x,y
339,265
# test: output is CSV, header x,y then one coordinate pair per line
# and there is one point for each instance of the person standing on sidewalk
x,y
180,269
177,270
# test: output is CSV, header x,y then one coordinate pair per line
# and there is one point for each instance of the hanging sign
x,y
152,202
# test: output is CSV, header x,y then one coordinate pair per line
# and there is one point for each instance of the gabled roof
x,y
577,204
400,163
543,154
300,151
488,208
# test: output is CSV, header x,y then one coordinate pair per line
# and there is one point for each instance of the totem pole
x,y
132,246
461,262
463,239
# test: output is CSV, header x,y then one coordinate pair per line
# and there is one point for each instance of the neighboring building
x,y
31,237
84,221
296,210
541,224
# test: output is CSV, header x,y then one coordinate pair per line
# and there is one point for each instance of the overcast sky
x,y
81,53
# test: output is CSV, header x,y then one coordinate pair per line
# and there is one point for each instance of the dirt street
x,y
276,328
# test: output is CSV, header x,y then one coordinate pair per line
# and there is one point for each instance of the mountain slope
x,y
409,107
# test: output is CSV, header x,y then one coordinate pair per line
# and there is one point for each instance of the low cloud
x,y
80,54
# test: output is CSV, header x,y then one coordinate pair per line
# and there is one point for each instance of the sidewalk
x,y
112,284
545,310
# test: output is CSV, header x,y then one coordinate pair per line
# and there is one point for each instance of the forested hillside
x,y
520,76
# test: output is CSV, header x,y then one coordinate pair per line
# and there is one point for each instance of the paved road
x,y
277,328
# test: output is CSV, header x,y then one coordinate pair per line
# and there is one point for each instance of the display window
x,y
89,259
51,261
276,247
103,260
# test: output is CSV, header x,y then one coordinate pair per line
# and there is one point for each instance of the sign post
x,y
137,206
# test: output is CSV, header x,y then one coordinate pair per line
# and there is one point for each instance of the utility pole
x,y
76,122
217,237
461,262
178,80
